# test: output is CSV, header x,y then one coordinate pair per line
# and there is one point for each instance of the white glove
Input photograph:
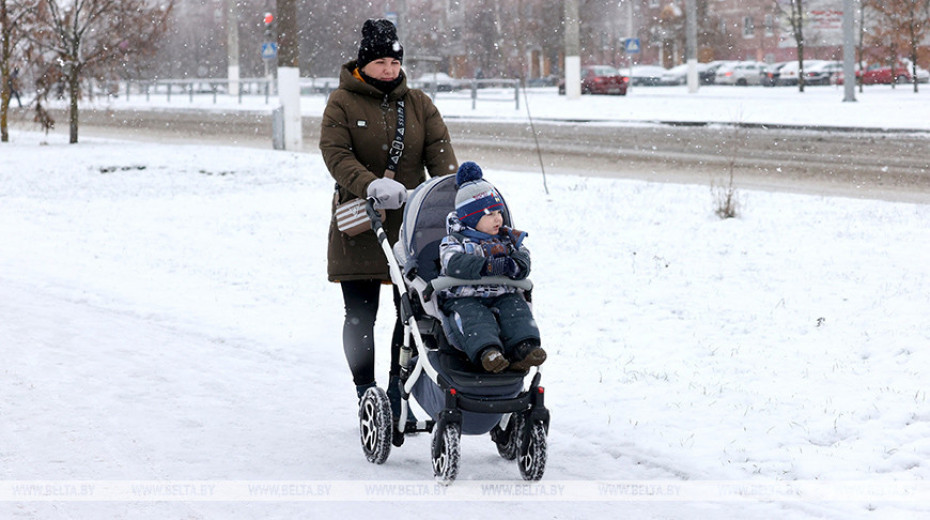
x,y
388,193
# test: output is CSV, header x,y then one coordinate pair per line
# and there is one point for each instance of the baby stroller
x,y
459,397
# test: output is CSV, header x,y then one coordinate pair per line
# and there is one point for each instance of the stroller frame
x,y
518,423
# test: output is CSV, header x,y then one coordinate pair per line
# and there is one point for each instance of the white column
x,y
232,46
289,93
572,51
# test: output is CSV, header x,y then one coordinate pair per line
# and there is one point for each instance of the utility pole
x,y
849,50
629,34
402,22
691,44
232,46
572,51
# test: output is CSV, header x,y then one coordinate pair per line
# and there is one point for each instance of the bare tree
x,y
796,17
97,37
900,27
13,15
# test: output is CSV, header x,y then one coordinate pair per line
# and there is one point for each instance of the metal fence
x,y
485,90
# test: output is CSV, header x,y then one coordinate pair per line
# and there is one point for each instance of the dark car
x,y
825,73
708,76
771,74
600,79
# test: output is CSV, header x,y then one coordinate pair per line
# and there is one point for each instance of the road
x,y
873,164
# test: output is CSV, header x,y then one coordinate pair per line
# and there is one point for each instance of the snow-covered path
x,y
165,317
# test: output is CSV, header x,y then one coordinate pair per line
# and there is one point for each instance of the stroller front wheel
x,y
446,453
375,425
533,451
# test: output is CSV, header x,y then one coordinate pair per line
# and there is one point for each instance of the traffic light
x,y
269,27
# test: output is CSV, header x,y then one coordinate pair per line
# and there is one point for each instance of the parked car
x,y
709,75
740,73
923,76
600,79
823,73
646,75
789,73
441,81
884,74
678,75
771,73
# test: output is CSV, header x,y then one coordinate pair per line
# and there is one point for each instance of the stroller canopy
x,y
425,226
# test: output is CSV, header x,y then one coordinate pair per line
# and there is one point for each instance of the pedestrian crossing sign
x,y
632,46
269,50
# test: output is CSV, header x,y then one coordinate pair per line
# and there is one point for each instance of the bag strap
x,y
397,145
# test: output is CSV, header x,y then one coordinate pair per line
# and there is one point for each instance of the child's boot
x,y
527,355
493,360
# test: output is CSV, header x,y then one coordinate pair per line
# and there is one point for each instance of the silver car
x,y
740,73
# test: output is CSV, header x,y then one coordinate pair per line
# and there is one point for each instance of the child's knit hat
x,y
476,197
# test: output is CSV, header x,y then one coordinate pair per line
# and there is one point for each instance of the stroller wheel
x,y
446,453
532,456
375,425
507,439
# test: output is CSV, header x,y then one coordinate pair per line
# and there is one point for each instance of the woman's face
x,y
383,69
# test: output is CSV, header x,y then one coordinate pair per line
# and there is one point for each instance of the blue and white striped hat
x,y
476,197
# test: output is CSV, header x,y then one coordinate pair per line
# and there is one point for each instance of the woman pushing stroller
x,y
372,105
492,324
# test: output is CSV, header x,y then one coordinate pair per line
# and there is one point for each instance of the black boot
x,y
361,389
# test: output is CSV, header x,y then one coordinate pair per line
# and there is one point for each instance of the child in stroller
x,y
492,324
459,395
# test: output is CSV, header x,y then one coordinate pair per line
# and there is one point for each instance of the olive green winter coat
x,y
359,124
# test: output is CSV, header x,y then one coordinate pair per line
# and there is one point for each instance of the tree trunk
x,y
4,111
74,90
797,27
801,67
5,93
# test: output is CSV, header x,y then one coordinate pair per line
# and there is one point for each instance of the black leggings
x,y
358,332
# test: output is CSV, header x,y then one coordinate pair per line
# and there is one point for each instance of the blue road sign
x,y
269,50
632,46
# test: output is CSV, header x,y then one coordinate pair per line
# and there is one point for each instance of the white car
x,y
649,75
678,75
788,75
441,81
923,76
740,73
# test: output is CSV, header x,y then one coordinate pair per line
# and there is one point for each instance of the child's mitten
x,y
500,266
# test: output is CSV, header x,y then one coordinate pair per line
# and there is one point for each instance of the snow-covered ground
x,y
878,106
171,348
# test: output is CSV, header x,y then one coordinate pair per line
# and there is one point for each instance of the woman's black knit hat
x,y
379,40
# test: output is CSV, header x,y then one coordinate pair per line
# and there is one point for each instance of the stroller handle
x,y
373,214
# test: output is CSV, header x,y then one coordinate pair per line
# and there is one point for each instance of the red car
x,y
881,74
600,79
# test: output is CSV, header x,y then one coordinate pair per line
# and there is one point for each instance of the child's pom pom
x,y
468,171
